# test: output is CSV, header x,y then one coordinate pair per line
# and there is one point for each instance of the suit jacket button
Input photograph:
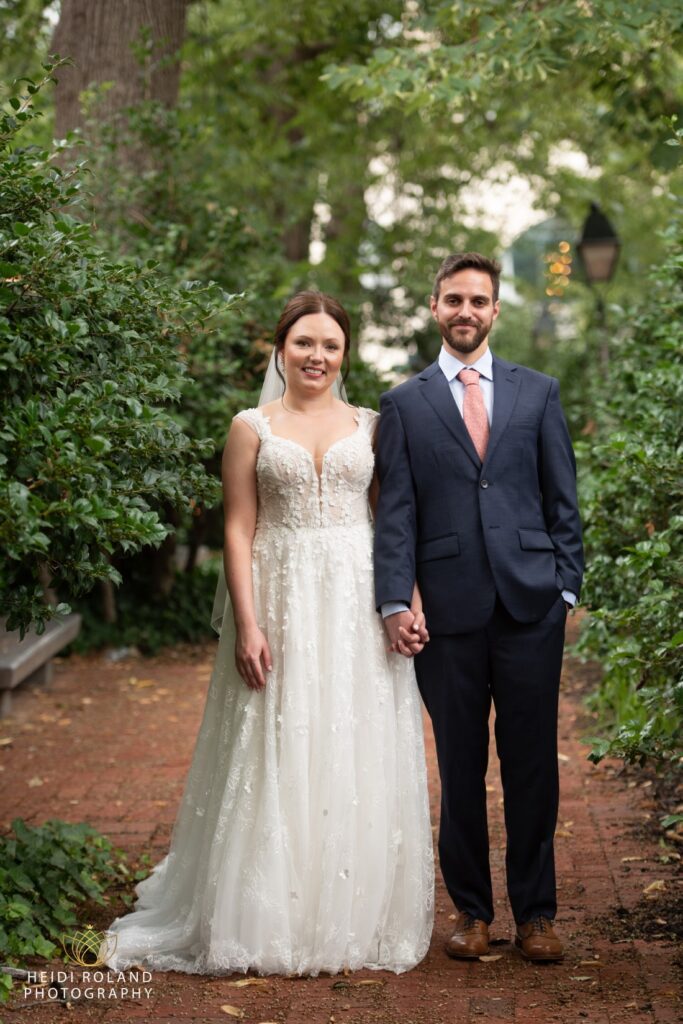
x,y
484,484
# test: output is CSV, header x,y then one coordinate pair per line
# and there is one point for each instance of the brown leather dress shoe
x,y
537,940
470,938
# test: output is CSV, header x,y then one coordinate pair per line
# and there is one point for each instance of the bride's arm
x,y
252,654
373,494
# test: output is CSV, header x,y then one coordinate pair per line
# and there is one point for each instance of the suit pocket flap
x,y
535,540
440,547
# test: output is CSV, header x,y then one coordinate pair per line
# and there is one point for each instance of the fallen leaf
x,y
562,757
590,963
654,887
356,984
490,959
5,741
580,977
232,1011
243,982
628,860
35,781
452,917
562,833
660,920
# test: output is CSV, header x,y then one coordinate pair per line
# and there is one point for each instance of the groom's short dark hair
x,y
468,261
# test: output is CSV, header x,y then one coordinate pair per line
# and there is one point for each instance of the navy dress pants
x,y
517,665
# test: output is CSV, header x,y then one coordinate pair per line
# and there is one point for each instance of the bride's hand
x,y
252,657
413,641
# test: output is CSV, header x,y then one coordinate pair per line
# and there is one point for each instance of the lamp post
x,y
598,251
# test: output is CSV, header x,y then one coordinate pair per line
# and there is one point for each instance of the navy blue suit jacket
x,y
468,531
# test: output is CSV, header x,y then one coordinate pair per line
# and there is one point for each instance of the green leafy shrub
x,y
183,616
93,353
46,872
632,502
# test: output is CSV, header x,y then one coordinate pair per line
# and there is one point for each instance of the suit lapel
x,y
505,390
435,389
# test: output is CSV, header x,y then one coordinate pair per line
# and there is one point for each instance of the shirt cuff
x,y
569,597
393,607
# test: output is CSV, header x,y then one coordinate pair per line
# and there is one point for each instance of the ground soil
x,y
110,744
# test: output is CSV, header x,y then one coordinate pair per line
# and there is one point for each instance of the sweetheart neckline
x,y
303,448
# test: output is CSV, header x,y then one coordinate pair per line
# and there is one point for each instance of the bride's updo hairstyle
x,y
302,304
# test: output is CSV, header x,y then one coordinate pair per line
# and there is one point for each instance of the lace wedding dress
x,y
303,841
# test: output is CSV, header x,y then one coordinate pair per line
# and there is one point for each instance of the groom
x,y
478,504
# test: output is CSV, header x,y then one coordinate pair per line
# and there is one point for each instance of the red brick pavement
x,y
110,744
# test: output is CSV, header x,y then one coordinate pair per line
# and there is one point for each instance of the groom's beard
x,y
468,342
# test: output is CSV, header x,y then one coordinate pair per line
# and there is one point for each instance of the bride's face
x,y
313,353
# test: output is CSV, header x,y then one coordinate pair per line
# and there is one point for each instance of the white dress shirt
x,y
451,366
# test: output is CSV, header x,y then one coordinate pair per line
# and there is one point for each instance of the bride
x,y
303,841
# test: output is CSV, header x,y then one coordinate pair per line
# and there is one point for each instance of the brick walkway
x,y
111,743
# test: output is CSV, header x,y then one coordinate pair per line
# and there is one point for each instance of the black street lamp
x,y
598,251
599,247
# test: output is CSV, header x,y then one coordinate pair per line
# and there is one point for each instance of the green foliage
x,y
46,872
373,189
93,354
455,52
632,502
26,30
151,622
175,216
569,96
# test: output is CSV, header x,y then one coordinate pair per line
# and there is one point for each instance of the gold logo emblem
x,y
88,947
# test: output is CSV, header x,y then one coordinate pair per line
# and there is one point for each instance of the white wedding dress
x,y
303,841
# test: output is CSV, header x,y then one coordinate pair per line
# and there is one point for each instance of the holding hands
x,y
407,630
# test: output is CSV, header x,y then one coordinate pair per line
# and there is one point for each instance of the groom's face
x,y
465,311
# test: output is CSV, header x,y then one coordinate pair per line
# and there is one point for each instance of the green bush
x,y
183,616
46,872
93,354
632,502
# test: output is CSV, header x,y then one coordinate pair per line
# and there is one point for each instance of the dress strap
x,y
369,418
255,419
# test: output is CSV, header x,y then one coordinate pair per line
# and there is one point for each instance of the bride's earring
x,y
281,364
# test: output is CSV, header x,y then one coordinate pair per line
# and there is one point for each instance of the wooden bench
x,y
29,659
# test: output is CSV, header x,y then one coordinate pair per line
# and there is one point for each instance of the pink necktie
x,y
474,411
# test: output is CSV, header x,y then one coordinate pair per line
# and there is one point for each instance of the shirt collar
x,y
452,366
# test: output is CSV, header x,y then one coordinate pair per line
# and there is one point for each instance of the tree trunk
x,y
110,611
132,44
